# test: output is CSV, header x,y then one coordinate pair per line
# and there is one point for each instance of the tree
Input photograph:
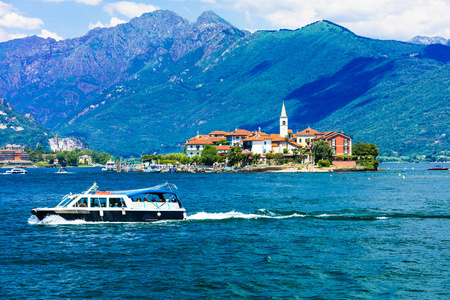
x,y
60,157
72,158
234,155
322,150
364,149
209,155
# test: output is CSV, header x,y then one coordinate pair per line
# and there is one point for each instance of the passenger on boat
x,y
153,199
139,200
145,200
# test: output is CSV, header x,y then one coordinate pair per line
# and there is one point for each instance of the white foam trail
x,y
53,220
382,218
236,215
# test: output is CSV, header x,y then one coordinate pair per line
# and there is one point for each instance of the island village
x,y
240,150
286,144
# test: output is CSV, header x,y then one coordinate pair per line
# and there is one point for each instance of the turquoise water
x,y
282,236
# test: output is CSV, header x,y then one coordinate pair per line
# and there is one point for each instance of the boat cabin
x,y
148,199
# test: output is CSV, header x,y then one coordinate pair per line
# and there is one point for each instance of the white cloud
x,y
47,34
113,22
129,9
387,19
87,2
13,20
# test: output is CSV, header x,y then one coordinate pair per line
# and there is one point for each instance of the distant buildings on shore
x,y
262,143
16,157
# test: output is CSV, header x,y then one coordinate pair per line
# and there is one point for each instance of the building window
x,y
346,142
299,140
334,150
345,150
333,142
198,147
284,122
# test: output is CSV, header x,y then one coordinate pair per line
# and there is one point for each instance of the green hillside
x,y
391,93
16,128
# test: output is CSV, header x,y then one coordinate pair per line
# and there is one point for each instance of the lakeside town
x,y
239,150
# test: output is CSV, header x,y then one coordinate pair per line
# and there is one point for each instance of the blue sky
x,y
383,19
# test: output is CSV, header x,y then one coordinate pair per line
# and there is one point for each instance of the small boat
x,y
153,169
110,166
141,205
17,171
62,170
438,168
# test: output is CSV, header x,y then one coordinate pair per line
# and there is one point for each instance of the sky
x,y
381,19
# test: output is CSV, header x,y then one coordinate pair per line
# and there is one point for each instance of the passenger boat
x,y
438,168
17,171
110,166
141,205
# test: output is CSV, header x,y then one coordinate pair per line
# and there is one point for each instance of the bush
x,y
324,163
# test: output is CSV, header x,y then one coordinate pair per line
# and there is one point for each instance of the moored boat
x,y
17,171
438,168
140,205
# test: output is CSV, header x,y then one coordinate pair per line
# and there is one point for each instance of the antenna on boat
x,y
168,186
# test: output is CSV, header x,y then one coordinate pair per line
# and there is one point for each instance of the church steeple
x,y
283,122
283,112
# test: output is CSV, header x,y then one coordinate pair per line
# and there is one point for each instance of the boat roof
x,y
142,191
130,193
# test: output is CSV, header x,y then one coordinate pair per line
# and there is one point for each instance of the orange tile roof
x,y
295,144
201,141
274,145
290,131
277,138
222,147
218,132
239,132
197,137
308,131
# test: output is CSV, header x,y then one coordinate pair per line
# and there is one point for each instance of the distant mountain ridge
x,y
60,76
149,84
425,40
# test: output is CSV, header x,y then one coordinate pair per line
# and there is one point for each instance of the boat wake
x,y
261,214
338,216
53,220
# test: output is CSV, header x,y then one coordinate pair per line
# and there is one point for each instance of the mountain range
x,y
149,84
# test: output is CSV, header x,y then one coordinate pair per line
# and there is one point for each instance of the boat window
x,y
98,202
83,202
116,202
169,197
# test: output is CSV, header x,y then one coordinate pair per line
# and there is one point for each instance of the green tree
x,y
60,156
364,149
322,150
72,158
234,155
209,155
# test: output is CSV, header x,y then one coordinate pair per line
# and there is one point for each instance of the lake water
x,y
295,235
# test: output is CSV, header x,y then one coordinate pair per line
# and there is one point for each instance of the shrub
x,y
324,163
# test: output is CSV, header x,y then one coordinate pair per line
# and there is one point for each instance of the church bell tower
x,y
283,122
